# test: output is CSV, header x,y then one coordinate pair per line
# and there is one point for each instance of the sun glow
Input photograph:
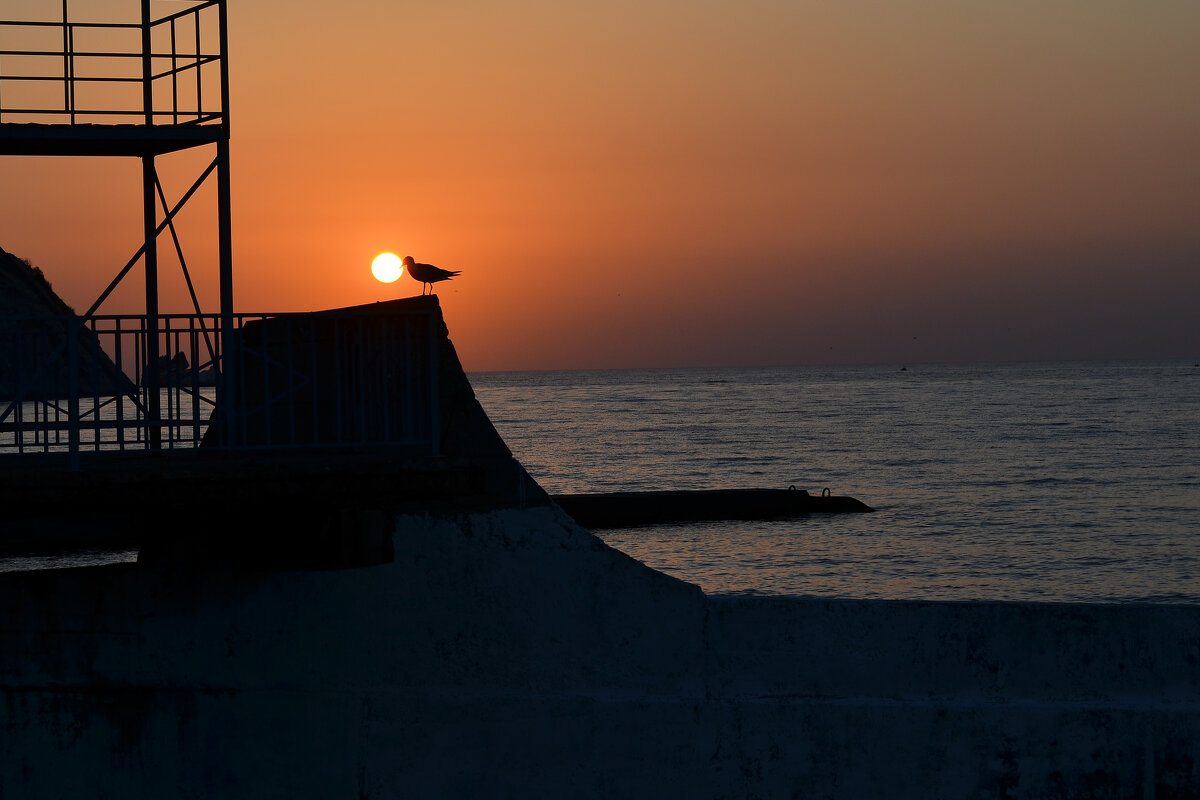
x,y
386,267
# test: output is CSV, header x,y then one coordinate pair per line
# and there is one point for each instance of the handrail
x,y
71,384
199,51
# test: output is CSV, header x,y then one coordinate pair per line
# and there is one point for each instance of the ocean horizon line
x,y
1075,362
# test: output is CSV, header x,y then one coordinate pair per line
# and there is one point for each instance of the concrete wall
x,y
510,653
513,654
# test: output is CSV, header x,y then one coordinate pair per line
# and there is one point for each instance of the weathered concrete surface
x,y
498,650
512,654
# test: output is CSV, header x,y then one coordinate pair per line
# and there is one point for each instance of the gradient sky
x,y
654,183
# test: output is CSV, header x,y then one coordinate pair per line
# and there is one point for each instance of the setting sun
x,y
386,267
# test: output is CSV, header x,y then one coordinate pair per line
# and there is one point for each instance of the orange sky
x,y
660,184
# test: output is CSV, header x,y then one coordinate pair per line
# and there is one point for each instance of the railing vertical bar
x,y
38,425
1,90
179,380
178,385
73,334
132,397
199,69
68,106
194,342
163,338
174,76
114,384
139,387
223,50
39,412
184,334
165,372
186,380
147,65
118,359
94,358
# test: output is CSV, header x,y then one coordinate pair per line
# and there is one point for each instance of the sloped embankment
x,y
35,355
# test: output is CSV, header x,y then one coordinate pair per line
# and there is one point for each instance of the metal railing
x,y
71,385
169,70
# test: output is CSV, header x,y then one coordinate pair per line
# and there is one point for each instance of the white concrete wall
x,y
513,654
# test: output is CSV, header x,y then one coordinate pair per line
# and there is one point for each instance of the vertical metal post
x,y
227,378
147,66
152,377
223,27
200,68
228,387
174,78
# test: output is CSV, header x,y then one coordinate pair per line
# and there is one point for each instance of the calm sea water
x,y
1055,482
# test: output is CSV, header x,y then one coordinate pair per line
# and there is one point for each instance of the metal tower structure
x,y
149,80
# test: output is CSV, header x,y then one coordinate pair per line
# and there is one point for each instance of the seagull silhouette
x,y
427,274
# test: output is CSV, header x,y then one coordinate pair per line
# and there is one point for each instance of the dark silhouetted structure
x,y
148,79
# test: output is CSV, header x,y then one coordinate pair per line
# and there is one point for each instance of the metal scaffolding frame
x,y
74,98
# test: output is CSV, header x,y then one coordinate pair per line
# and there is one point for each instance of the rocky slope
x,y
33,340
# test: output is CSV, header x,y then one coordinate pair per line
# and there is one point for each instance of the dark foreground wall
x,y
499,650
512,654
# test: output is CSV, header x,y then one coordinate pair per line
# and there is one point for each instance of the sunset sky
x,y
652,183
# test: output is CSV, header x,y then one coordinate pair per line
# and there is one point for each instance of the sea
x,y
1075,482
